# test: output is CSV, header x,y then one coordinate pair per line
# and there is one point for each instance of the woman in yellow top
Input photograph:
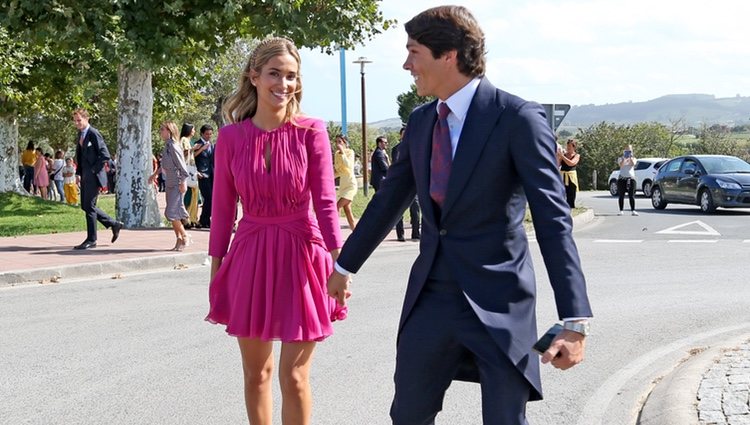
x,y
191,196
28,159
343,166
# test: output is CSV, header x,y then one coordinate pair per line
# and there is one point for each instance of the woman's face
x,y
340,143
164,133
277,82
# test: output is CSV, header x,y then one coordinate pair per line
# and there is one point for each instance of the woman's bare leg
x,y
257,366
294,378
347,206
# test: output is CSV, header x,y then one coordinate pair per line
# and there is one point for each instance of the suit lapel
x,y
480,120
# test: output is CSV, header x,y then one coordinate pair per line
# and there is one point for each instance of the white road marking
x,y
707,230
692,241
618,240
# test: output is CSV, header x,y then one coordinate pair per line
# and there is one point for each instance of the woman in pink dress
x,y
270,285
41,173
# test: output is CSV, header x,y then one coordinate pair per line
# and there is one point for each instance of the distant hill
x,y
695,109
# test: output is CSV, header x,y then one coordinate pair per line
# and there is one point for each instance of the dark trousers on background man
x,y
414,214
205,185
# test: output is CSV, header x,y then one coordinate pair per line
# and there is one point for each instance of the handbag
x,y
192,178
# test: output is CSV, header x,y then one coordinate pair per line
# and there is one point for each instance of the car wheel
x,y
657,199
613,187
647,188
706,201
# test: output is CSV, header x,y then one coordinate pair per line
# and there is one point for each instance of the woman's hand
x,y
183,187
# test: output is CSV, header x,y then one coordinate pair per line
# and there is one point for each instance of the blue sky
x,y
559,51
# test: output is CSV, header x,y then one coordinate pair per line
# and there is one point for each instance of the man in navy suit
x,y
379,162
203,151
475,156
91,156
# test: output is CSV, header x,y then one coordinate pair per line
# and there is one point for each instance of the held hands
x,y
338,287
183,187
566,350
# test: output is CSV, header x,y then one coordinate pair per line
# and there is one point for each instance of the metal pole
x,y
342,55
364,134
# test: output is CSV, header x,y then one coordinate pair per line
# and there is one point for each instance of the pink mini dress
x,y
272,281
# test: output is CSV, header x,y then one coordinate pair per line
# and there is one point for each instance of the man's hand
x,y
338,287
566,350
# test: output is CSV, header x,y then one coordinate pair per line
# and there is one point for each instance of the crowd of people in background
x,y
47,177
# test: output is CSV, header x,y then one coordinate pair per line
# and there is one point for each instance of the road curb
x,y
673,400
102,268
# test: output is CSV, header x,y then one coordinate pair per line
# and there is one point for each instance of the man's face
x,y
80,122
382,143
207,135
429,73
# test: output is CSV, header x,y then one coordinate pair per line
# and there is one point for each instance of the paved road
x,y
135,350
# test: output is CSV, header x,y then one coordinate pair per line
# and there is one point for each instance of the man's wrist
x,y
341,270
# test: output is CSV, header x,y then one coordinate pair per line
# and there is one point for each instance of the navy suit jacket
x,y
379,168
506,157
91,158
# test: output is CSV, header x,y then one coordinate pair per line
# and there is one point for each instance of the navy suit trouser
x,y
89,194
441,330
206,186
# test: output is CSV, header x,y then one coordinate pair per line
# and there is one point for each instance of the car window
x,y
658,164
730,164
674,165
689,167
642,165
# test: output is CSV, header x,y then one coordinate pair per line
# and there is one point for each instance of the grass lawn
x,y
27,215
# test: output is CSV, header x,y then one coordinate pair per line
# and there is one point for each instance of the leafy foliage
x,y
410,100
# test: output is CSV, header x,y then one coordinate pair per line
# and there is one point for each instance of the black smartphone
x,y
544,342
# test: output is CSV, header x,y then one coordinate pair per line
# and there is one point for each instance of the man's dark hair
x,y
205,128
446,28
380,139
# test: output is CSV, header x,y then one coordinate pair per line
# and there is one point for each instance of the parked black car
x,y
709,181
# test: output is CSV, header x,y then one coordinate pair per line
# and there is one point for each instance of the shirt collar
x,y
460,101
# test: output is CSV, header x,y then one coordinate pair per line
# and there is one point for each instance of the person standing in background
x,y
91,155
69,182
41,174
28,159
379,162
413,208
191,196
343,166
203,151
568,160
626,181
56,175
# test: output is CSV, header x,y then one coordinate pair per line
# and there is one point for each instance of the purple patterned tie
x,y
442,153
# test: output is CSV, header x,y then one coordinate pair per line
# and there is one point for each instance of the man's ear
x,y
451,56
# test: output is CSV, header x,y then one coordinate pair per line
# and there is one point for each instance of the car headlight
x,y
727,185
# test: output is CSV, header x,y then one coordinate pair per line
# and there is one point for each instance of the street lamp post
x,y
362,61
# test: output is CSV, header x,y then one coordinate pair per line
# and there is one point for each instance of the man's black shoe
x,y
415,237
86,245
401,239
116,230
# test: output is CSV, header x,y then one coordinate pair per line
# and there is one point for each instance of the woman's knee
x,y
294,381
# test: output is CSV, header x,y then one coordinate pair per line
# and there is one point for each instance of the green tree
x,y
141,38
717,140
408,101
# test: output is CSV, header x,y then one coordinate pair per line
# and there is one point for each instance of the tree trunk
x,y
217,116
9,180
136,198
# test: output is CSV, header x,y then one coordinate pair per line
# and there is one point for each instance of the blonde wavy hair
x,y
172,127
243,102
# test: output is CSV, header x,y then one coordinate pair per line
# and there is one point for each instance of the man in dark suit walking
x,y
475,157
379,162
413,208
203,152
91,156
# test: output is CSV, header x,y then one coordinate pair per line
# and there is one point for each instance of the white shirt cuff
x,y
574,319
341,270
